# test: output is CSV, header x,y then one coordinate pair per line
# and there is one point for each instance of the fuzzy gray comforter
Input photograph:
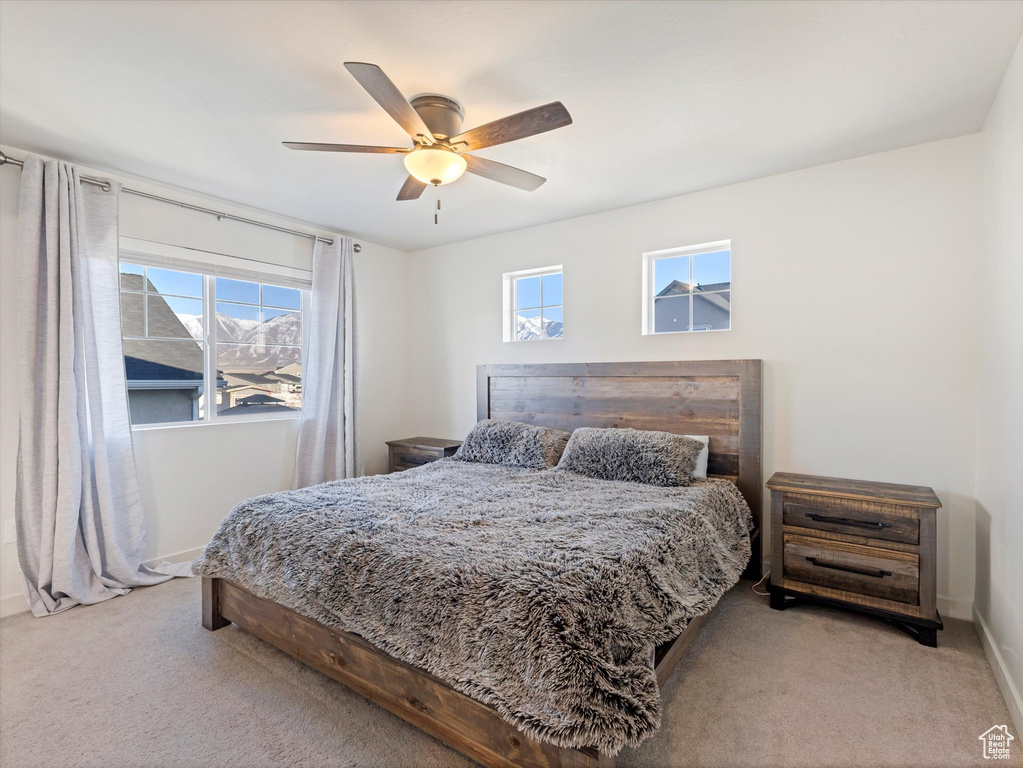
x,y
539,593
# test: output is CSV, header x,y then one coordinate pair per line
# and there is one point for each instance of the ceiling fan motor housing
x,y
442,115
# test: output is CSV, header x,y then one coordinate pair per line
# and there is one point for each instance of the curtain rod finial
x,y
3,158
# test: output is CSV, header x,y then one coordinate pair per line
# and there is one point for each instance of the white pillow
x,y
700,470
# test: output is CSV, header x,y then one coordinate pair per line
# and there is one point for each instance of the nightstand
x,y
855,544
416,451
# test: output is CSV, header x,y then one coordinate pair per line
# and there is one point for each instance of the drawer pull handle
x,y
846,521
873,573
409,458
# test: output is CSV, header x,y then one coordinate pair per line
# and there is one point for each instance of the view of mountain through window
x,y
259,347
539,313
252,366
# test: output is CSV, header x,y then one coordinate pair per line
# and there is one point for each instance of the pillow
x,y
632,455
701,462
493,441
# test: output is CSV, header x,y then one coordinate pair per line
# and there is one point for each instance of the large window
x,y
688,289
534,306
200,347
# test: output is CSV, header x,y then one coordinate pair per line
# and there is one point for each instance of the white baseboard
x,y
954,608
177,557
1010,692
13,604
16,603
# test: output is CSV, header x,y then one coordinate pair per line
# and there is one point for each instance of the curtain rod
x,y
6,160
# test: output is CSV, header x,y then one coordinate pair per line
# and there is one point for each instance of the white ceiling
x,y
667,98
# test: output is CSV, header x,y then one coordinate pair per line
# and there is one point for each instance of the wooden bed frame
x,y
720,398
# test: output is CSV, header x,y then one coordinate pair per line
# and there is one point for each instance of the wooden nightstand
x,y
416,451
856,544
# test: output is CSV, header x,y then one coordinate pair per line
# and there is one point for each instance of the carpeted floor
x,y
137,682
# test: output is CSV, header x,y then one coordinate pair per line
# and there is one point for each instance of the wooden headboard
x,y
719,398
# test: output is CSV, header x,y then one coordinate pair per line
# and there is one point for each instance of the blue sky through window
x,y
172,281
527,292
552,289
237,290
712,268
666,271
276,296
707,269
184,306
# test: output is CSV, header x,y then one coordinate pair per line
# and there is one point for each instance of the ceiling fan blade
x,y
517,126
411,189
387,95
505,174
312,146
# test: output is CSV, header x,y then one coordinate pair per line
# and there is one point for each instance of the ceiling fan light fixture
x,y
434,164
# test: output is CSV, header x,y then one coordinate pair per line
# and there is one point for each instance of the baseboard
x,y
13,604
16,603
954,608
178,557
1008,687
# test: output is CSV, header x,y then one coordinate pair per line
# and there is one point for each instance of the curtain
x,y
79,516
326,444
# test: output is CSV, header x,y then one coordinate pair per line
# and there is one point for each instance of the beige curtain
x,y
326,444
80,523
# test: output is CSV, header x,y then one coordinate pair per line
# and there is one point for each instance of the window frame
x,y
510,281
209,266
649,291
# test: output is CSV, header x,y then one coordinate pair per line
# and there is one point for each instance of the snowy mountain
x,y
529,328
193,324
252,354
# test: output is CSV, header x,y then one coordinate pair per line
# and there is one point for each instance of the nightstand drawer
x,y
416,456
856,518
414,452
409,458
881,573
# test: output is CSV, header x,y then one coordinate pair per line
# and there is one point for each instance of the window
x,y
688,289
533,306
203,347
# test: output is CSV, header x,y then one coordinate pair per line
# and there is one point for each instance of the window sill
x,y
218,422
676,333
527,341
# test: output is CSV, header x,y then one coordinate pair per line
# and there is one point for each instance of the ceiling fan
x,y
440,150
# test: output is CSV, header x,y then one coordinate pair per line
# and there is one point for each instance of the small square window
x,y
688,289
534,307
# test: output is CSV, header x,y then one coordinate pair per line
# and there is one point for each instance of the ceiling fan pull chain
x,y
436,195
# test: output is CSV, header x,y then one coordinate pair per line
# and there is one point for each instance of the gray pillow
x,y
493,441
632,455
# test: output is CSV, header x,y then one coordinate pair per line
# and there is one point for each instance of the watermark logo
x,y
996,742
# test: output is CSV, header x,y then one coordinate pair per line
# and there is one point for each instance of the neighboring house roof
x,y
271,379
240,378
173,357
255,404
293,369
259,400
166,362
677,288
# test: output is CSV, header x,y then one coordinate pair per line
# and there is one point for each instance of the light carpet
x,y
136,681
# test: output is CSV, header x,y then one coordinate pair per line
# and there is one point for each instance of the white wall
x,y
192,476
999,599
854,282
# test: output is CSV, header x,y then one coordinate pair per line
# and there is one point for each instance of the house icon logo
x,y
996,742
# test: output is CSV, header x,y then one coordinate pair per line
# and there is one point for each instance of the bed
x,y
454,680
